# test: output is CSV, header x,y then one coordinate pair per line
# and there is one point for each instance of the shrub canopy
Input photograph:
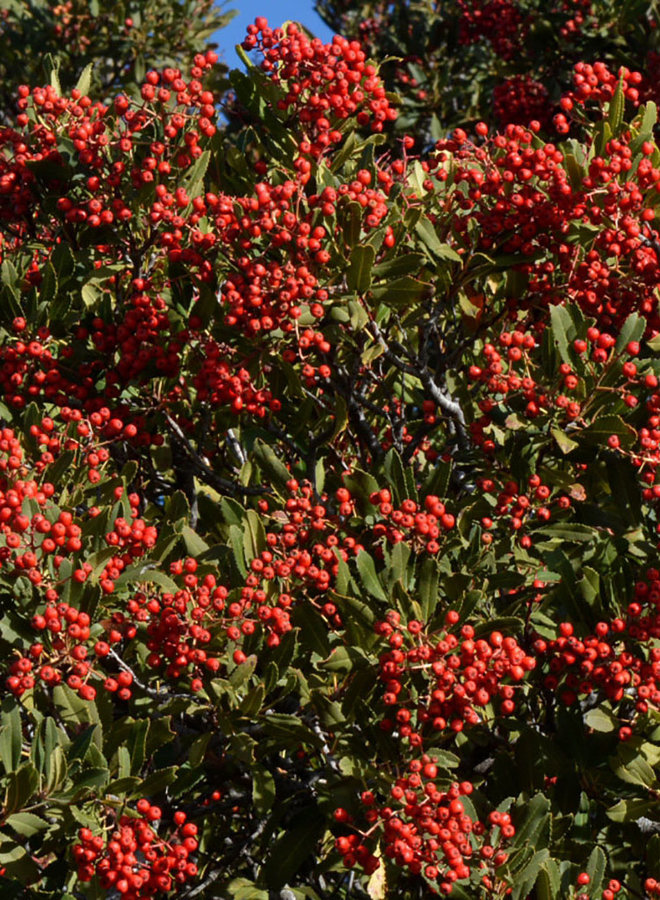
x,y
328,461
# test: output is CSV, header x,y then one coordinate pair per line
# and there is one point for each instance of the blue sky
x,y
277,12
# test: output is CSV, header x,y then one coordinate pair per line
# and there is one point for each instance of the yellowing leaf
x,y
377,884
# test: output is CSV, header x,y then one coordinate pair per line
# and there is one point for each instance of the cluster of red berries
x,y
29,535
134,860
361,190
419,527
517,507
222,383
177,625
29,369
69,29
580,12
597,83
618,660
277,252
308,342
521,99
176,634
302,546
500,22
451,676
524,199
96,202
323,84
428,830
510,392
304,542
141,344
652,887
584,880
66,630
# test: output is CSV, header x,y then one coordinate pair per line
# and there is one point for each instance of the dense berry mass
x,y
329,453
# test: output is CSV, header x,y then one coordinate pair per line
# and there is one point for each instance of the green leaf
x,y
146,572
56,769
589,584
263,790
195,174
548,883
272,467
569,531
358,276
397,571
232,511
198,748
27,824
242,889
195,545
90,294
563,332
82,743
602,134
313,629
616,109
526,879
596,870
48,286
624,484
636,771
631,810
599,431
253,701
289,730
347,149
537,819
137,744
356,610
157,781
632,330
126,785
401,292
236,543
429,577
63,261
344,659
52,67
17,863
45,741
291,849
565,443
85,81
574,169
123,762
352,223
21,785
368,576
11,734
426,232
505,624
396,477
650,118
601,720
254,536
400,265
97,776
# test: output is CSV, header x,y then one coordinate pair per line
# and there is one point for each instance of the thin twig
x,y
221,485
151,692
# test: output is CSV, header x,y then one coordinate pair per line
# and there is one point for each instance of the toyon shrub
x,y
330,470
